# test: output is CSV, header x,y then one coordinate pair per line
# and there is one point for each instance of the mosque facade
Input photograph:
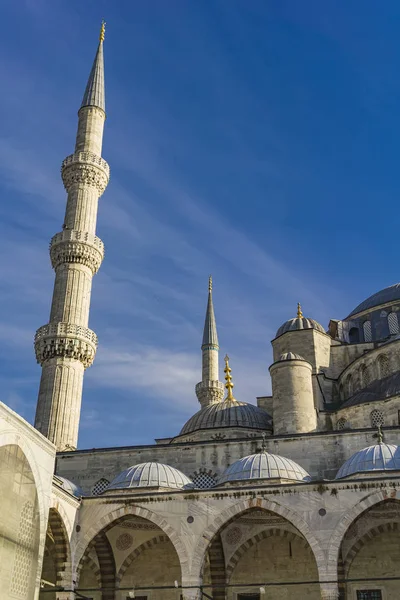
x,y
294,496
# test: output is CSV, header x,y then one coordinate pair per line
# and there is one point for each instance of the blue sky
x,y
254,140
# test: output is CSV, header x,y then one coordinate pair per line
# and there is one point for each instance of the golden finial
x,y
380,434
102,31
210,283
228,379
299,311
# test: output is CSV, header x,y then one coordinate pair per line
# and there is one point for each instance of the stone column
x,y
329,591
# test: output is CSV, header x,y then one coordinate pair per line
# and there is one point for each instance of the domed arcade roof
x,y
299,322
150,474
70,486
389,294
380,457
229,413
264,466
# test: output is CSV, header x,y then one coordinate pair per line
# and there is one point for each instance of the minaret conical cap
x,y
95,94
210,337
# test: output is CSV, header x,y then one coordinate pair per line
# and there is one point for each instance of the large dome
x,y
150,474
229,413
389,294
299,323
380,457
264,466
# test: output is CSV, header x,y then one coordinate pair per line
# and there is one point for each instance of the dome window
x,y
367,331
349,386
393,323
366,375
100,486
341,424
377,418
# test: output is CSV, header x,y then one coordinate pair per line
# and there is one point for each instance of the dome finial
x,y
380,434
299,311
228,379
102,31
210,283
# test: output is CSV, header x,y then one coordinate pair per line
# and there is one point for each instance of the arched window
x,y
204,479
341,424
367,331
341,391
354,335
393,323
100,486
377,418
366,375
349,386
383,362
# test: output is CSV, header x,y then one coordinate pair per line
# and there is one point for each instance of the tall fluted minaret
x,y
210,389
65,347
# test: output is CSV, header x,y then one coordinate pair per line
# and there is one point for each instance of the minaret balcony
x,y
79,247
65,340
86,168
210,392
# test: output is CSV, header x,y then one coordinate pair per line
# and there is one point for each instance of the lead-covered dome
x,y
69,486
264,466
150,474
389,294
290,356
229,413
298,323
380,457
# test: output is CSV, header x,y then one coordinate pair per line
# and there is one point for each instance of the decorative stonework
x,y
124,541
210,392
70,246
65,340
234,535
86,168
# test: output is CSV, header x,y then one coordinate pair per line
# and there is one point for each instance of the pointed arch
x,y
117,516
337,537
159,539
231,513
266,533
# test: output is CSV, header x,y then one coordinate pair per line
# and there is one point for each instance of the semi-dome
x,y
69,486
290,356
389,294
150,474
299,322
229,413
264,466
380,457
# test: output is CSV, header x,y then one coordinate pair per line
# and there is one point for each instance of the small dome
x,y
380,457
290,356
299,323
69,486
150,474
229,413
264,466
389,294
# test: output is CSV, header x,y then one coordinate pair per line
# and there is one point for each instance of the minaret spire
x,y
65,347
210,389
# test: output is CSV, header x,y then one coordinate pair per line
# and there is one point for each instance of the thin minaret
x,y
65,347
210,389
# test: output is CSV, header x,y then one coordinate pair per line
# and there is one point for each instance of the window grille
x,y
393,323
100,486
341,424
203,479
349,386
369,595
383,365
377,418
367,331
366,375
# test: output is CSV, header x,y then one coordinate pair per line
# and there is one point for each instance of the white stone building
x,y
296,496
